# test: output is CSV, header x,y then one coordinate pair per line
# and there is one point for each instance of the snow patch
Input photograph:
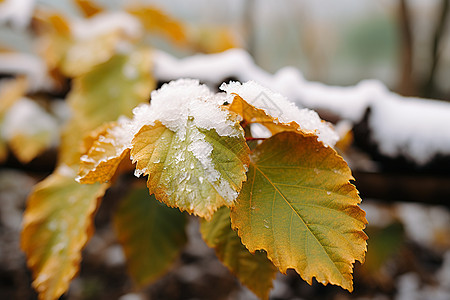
x,y
211,68
104,23
17,12
185,99
279,107
202,151
418,129
412,127
33,67
28,118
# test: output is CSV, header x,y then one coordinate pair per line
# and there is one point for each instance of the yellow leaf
x,y
26,147
108,91
88,8
100,163
70,54
57,225
299,206
10,91
253,115
213,39
81,56
253,270
155,21
3,150
178,178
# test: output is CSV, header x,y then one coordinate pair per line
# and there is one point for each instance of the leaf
x,y
29,129
104,155
3,150
198,174
26,147
10,91
253,270
151,234
213,39
88,8
110,90
255,100
253,115
57,224
82,55
299,206
155,21
74,55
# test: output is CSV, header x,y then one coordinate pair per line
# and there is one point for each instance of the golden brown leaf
x,y
178,178
10,91
155,21
299,206
57,225
100,163
88,8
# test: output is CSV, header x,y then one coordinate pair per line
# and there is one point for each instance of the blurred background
x,y
404,44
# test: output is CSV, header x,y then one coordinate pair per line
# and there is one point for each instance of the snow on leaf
x,y
151,234
299,206
57,225
253,270
253,115
105,153
279,108
193,150
198,174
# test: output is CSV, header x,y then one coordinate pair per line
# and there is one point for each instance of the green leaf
x,y
253,270
57,224
151,234
299,206
198,174
108,91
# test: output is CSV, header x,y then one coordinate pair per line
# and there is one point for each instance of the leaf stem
x,y
254,139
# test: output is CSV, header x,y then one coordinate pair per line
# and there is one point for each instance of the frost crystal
x,y
279,107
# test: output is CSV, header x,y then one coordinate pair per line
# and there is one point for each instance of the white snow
x,y
17,12
104,23
421,222
32,66
419,129
412,127
28,118
176,102
181,106
211,68
279,107
65,171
